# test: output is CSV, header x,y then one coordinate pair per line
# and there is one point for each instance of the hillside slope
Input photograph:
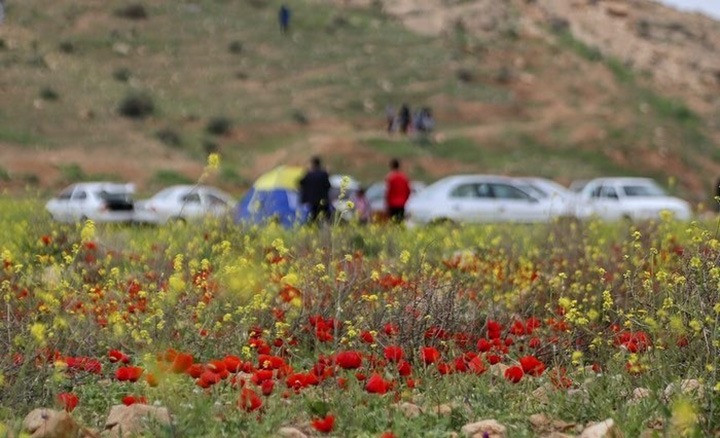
x,y
565,89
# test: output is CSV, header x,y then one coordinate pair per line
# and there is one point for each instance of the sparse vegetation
x,y
167,177
169,137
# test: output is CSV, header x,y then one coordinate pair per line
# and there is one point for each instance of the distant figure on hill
x,y
404,118
390,118
315,191
284,18
716,200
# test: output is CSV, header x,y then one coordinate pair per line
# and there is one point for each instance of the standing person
x,y
404,118
362,206
315,191
390,118
397,191
2,11
284,18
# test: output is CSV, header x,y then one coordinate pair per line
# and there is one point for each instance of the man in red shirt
x,y
397,191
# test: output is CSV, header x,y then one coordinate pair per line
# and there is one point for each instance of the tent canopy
x,y
273,197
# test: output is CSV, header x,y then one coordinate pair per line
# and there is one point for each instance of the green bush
x,y
137,105
133,11
218,125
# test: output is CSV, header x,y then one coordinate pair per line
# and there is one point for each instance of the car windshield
x,y
533,190
643,190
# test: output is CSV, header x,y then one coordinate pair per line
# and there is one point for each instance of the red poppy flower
x,y
484,345
181,362
493,358
514,374
131,400
208,378
130,374
218,367
429,355
517,328
261,376
494,329
387,434
270,362
377,385
367,337
393,353
68,400
460,364
267,387
324,425
232,363
531,365
249,400
349,360
443,368
476,365
534,342
195,370
404,368
391,329
342,382
118,356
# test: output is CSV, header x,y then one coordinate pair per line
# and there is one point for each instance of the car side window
x,y
464,191
191,198
596,192
484,190
80,194
215,200
506,191
608,192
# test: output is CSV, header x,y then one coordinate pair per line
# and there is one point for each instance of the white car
x,y
628,198
183,203
478,198
98,201
562,200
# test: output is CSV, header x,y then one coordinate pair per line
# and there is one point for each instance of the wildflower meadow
x,y
352,330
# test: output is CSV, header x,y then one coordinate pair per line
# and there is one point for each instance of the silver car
x,y
479,198
98,201
183,203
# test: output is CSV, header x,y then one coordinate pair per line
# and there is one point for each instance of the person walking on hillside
x,y
284,19
315,191
397,191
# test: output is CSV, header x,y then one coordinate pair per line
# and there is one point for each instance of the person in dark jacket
x,y
315,191
284,18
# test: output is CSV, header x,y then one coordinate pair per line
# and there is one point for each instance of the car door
x,y
472,202
606,202
60,205
78,205
214,205
514,205
191,205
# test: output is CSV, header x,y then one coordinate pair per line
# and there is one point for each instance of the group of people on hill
x,y
405,122
315,193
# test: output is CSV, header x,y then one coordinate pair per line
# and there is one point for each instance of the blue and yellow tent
x,y
274,197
